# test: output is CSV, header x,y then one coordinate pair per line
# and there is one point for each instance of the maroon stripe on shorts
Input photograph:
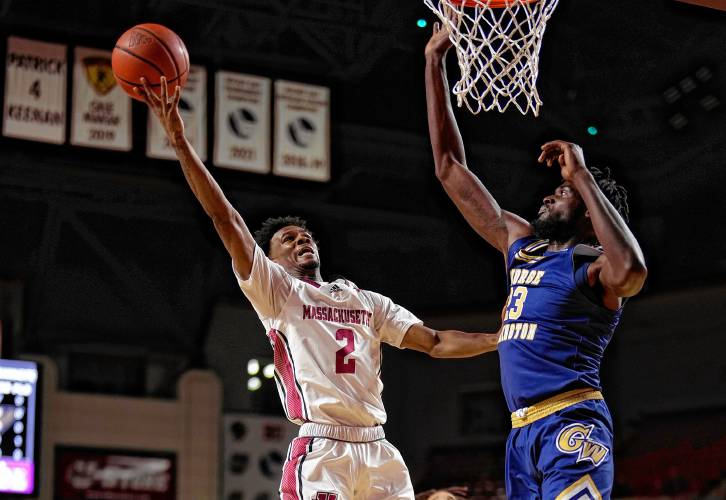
x,y
291,483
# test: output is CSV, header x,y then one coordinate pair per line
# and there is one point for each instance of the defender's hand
x,y
439,42
165,108
567,154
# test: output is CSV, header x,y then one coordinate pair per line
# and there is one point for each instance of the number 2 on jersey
x,y
343,365
517,296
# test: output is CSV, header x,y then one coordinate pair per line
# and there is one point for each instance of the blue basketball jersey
x,y
555,328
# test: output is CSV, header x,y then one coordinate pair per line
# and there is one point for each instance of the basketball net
x,y
497,45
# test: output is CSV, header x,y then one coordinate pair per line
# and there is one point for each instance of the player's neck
x,y
556,246
307,274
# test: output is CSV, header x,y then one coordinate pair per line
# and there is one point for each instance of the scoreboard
x,y
18,406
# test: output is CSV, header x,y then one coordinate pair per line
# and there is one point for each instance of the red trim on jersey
x,y
284,366
311,282
291,475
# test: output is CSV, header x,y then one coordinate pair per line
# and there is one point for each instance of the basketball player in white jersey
x,y
326,339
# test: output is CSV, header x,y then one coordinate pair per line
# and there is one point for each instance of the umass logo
x,y
325,495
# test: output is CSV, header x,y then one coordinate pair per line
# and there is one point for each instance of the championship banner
x,y
101,110
193,110
242,122
90,474
254,452
35,91
302,131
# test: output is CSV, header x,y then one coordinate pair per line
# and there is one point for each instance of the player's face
x,y
560,215
294,249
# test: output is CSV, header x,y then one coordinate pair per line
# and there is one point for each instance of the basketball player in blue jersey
x,y
569,272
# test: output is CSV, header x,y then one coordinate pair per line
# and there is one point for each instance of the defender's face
x,y
565,205
294,248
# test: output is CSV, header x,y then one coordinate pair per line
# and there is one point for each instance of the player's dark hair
x,y
272,225
614,192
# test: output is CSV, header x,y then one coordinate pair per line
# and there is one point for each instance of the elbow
x,y
437,349
445,165
631,279
443,170
225,216
437,353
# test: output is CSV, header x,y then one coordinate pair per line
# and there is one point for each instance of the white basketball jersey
x,y
326,339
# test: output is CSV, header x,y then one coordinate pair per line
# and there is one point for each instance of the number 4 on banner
x,y
35,89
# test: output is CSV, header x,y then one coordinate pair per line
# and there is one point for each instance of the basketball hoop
x,y
497,45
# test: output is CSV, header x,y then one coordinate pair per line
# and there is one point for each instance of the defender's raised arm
x,y
227,221
499,227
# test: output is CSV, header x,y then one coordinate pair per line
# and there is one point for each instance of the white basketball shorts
x,y
344,463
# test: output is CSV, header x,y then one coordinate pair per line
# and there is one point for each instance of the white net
x,y
497,45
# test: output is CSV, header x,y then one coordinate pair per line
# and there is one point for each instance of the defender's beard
x,y
553,229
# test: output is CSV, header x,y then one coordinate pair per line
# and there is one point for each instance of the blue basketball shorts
x,y
566,455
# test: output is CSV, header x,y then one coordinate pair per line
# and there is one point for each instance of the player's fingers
x,y
551,146
164,93
557,142
142,94
461,491
151,98
177,97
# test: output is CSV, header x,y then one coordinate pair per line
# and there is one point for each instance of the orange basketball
x,y
150,51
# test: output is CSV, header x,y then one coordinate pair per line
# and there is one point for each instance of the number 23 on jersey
x,y
515,303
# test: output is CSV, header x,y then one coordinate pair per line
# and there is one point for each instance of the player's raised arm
x,y
621,269
227,221
448,343
499,227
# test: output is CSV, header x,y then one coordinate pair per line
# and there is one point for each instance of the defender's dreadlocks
x,y
272,225
614,192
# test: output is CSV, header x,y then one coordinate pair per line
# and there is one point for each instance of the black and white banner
x,y
193,110
101,110
35,91
255,448
242,122
302,131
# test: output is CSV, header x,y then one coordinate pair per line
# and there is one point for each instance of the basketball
x,y
149,51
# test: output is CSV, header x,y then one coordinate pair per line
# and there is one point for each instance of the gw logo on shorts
x,y
325,495
575,438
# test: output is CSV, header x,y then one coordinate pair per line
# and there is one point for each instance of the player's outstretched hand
x,y
165,107
439,42
568,155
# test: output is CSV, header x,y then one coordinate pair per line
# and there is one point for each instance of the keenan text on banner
x,y
35,91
